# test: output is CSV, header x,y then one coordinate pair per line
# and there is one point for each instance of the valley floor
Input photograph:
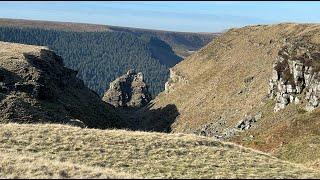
x,y
60,151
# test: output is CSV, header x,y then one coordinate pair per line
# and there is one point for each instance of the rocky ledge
x,y
173,80
128,90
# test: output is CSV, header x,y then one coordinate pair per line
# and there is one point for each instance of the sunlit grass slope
x,y
64,151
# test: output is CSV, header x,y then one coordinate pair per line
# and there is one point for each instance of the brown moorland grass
x,y
217,73
150,155
15,165
291,134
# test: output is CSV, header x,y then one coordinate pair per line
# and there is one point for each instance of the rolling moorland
x,y
101,53
269,116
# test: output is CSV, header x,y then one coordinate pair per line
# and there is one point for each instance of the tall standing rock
x,y
129,90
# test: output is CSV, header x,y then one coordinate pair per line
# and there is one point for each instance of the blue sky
x,y
197,16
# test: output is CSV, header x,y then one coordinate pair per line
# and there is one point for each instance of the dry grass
x,y
290,134
27,165
92,153
16,49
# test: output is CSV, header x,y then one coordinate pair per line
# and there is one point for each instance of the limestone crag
x,y
129,90
296,75
174,79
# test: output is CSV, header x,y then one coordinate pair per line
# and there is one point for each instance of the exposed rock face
x,y
296,73
128,90
174,79
36,87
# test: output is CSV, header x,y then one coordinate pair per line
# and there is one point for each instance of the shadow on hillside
x,y
147,119
159,120
9,78
7,82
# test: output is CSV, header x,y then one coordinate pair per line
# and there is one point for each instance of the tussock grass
x,y
60,150
27,165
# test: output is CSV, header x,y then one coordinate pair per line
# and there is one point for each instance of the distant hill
x,y
60,151
101,53
181,42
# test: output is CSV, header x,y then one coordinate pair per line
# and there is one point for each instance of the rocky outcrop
x,y
128,90
296,75
248,121
213,129
174,79
36,87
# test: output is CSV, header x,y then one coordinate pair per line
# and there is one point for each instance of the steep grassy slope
x,y
228,79
95,153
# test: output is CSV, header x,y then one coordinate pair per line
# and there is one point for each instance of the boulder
x,y
76,122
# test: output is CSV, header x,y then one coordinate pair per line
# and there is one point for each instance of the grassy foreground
x,y
51,151
15,165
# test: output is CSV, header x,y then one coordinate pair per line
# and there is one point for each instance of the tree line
x,y
100,57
